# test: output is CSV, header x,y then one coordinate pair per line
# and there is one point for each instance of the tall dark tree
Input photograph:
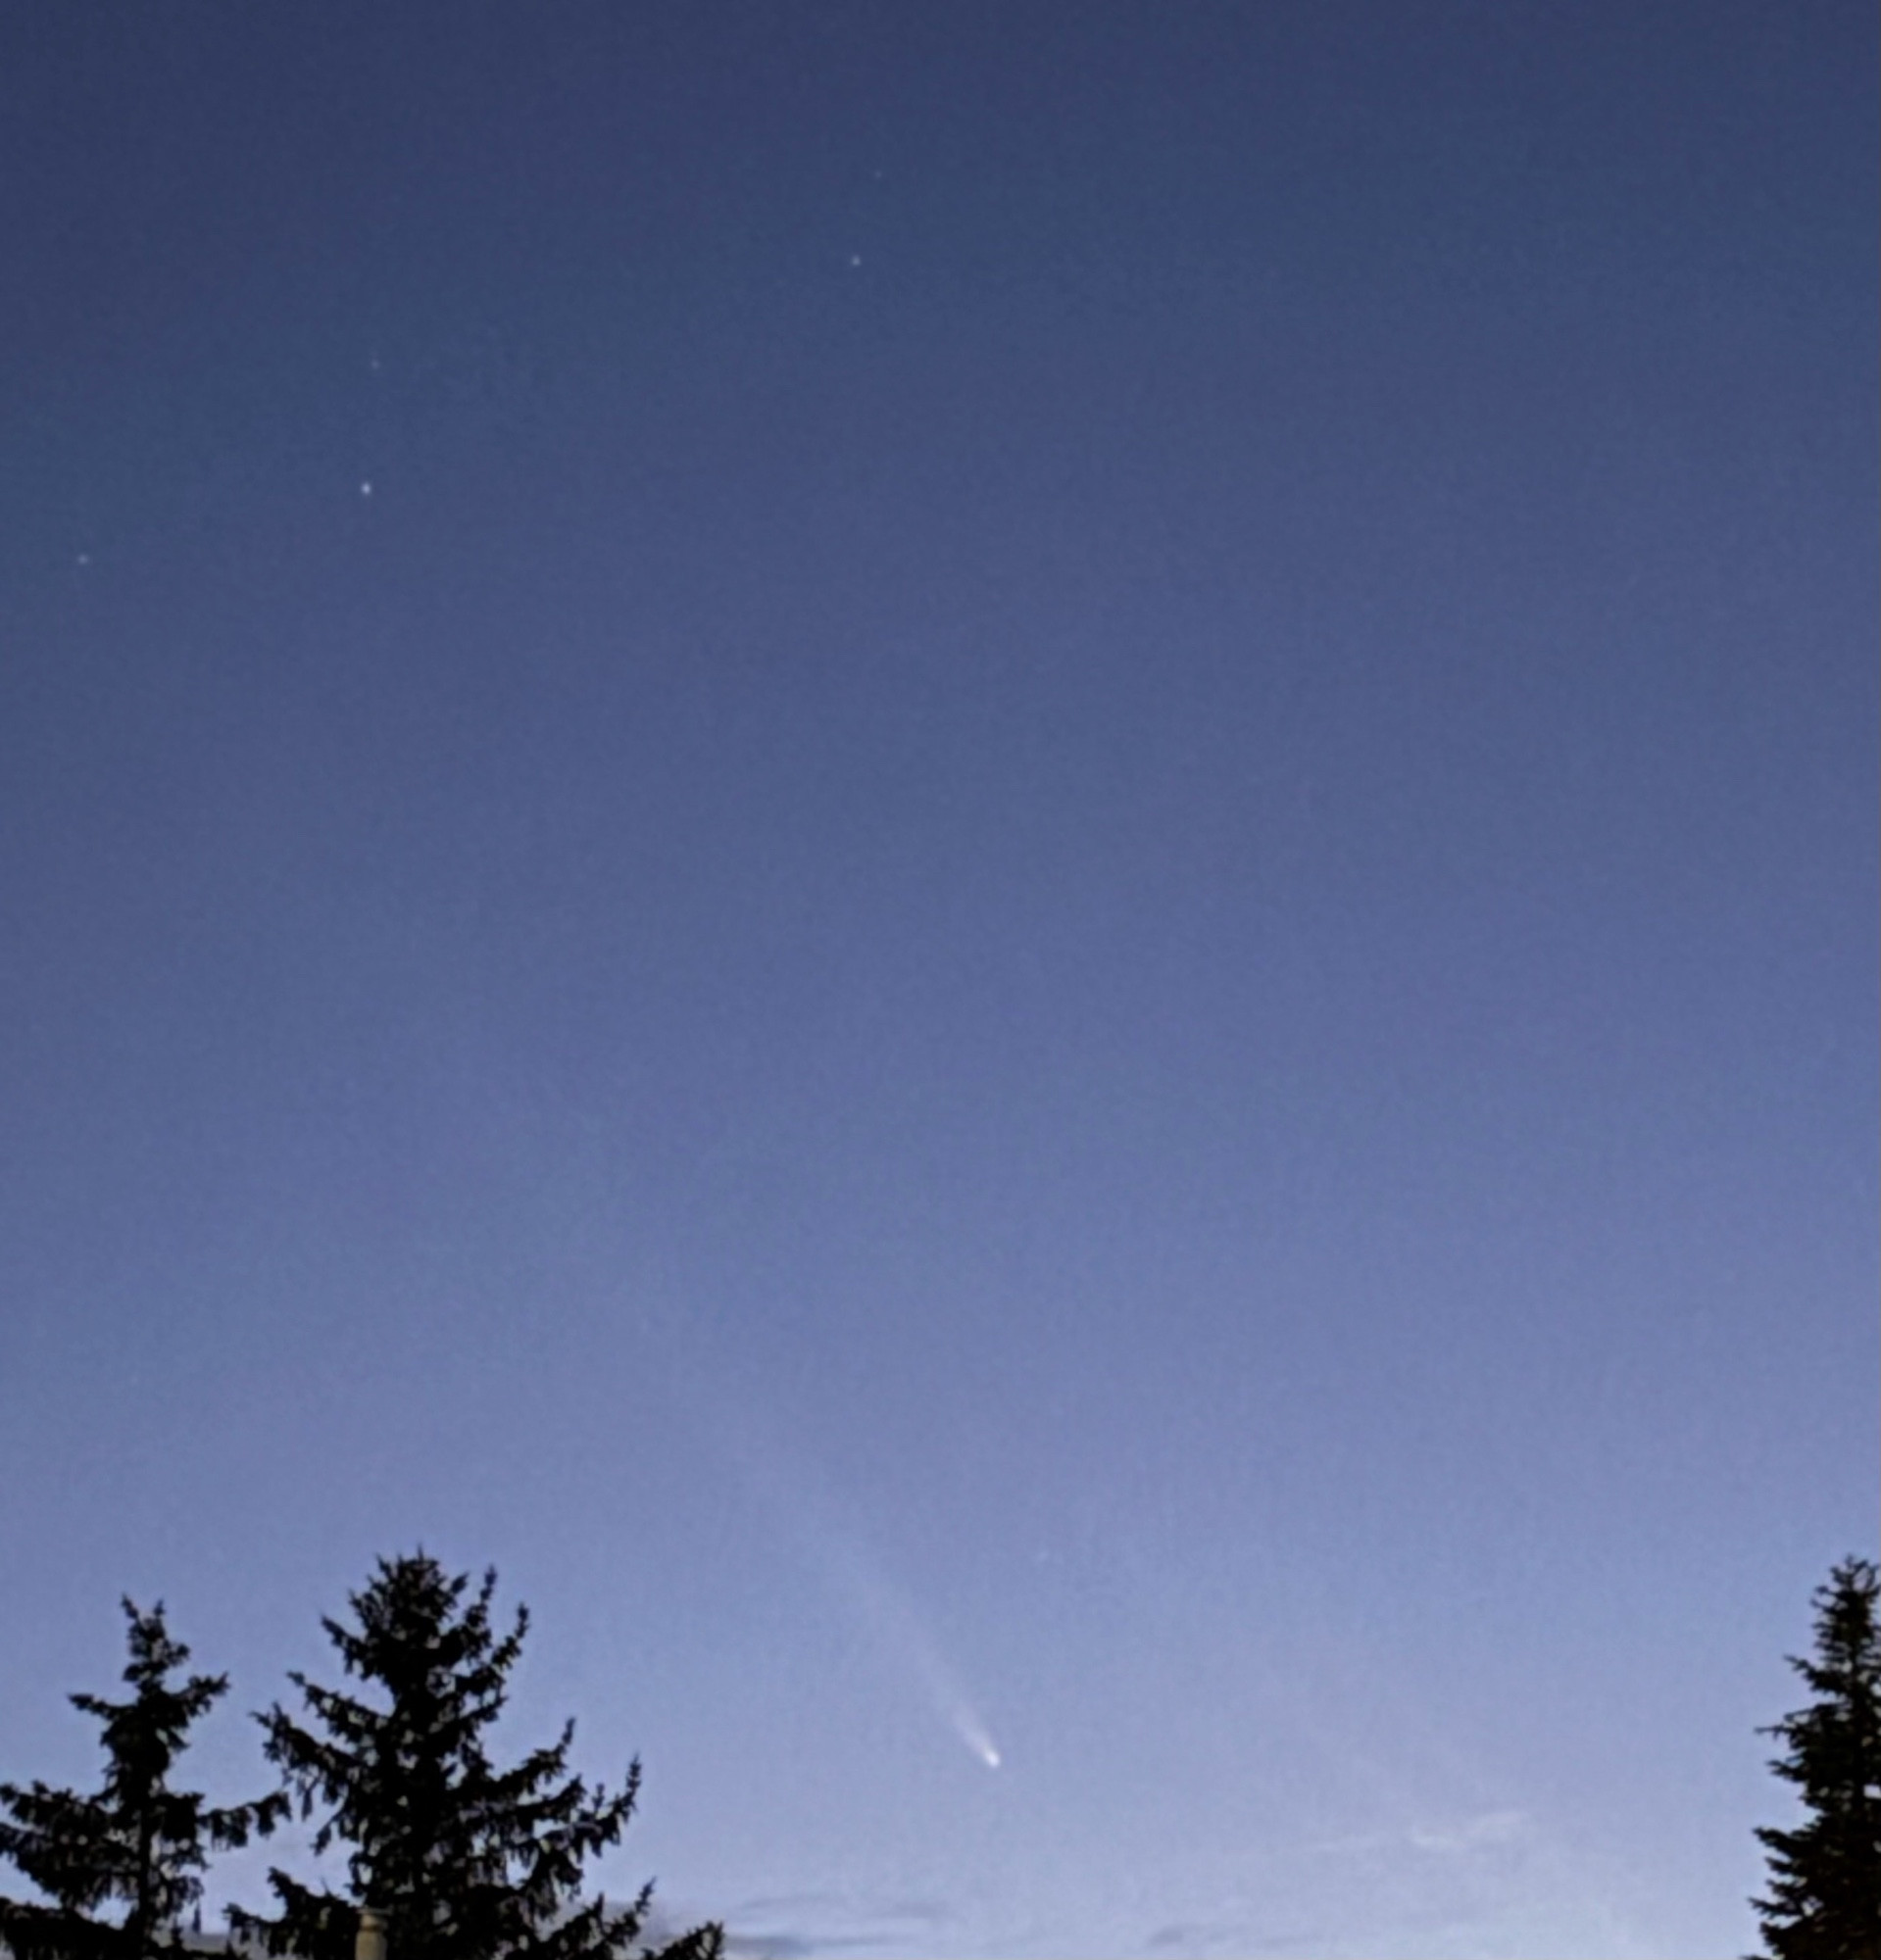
x,y
1825,1876
119,1869
464,1860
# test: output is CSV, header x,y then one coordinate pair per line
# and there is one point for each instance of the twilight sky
x,y
1009,870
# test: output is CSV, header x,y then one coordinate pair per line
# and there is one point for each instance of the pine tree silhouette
x,y
463,1861
1825,1883
119,1869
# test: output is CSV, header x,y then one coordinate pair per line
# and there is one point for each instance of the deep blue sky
x,y
1010,869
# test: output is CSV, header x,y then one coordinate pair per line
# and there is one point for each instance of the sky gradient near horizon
x,y
1008,869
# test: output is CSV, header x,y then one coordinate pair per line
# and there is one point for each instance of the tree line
x,y
457,1859
461,1860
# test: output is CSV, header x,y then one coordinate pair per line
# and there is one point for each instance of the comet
x,y
786,1486
973,1731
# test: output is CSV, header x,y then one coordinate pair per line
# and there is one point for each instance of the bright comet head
x,y
973,1731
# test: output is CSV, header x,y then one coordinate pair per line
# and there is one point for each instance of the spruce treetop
x,y
121,1867
464,1860
1824,1899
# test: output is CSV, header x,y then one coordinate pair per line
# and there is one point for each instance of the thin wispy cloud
x,y
800,1926
1493,1828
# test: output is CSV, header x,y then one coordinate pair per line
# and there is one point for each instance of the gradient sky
x,y
1009,870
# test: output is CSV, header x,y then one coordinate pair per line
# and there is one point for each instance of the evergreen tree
x,y
119,1869
1825,1883
463,1861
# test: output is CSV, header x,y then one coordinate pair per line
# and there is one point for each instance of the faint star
x,y
365,489
855,257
